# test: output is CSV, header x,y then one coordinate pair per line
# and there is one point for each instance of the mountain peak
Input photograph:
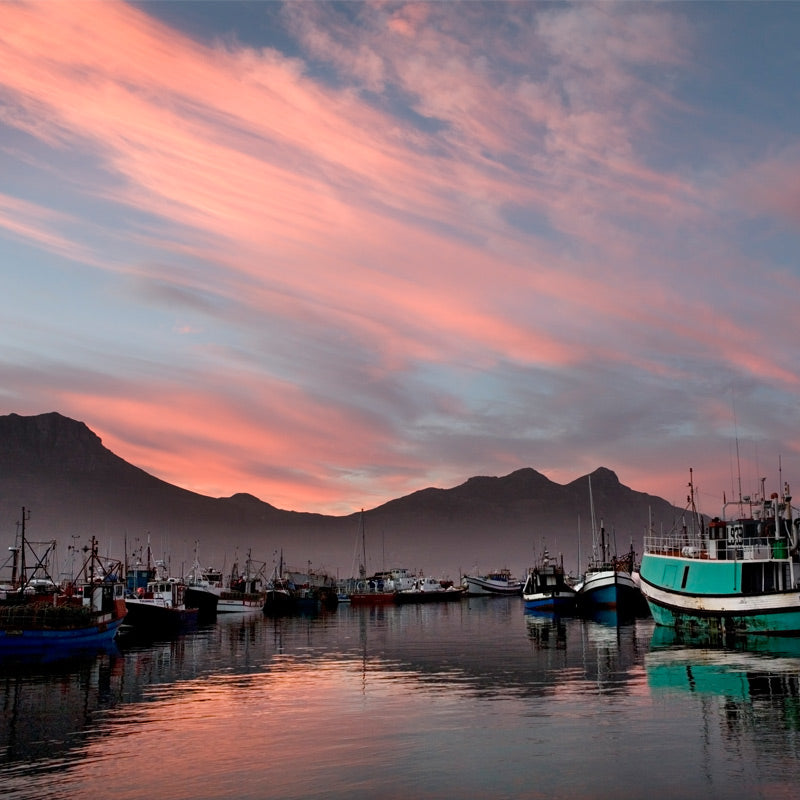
x,y
59,468
50,441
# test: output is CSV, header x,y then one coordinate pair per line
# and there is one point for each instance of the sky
x,y
330,254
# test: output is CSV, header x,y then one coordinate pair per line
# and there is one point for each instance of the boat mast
x,y
22,568
594,522
362,569
603,546
697,522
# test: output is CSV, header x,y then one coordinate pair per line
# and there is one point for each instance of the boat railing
x,y
733,548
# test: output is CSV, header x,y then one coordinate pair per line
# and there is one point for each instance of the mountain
x,y
73,486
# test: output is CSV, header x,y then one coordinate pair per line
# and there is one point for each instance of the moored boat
x,y
546,588
380,588
201,593
79,616
501,582
740,574
243,593
608,582
608,585
293,592
430,590
156,604
278,599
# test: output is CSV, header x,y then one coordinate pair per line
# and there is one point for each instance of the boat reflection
x,y
744,668
546,629
65,657
46,704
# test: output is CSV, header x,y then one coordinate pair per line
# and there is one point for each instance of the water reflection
x,y
546,629
744,668
747,691
43,707
474,697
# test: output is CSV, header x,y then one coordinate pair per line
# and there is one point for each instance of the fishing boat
x,y
293,592
201,593
242,593
546,588
314,590
156,603
607,582
430,590
501,582
278,599
380,588
81,615
739,574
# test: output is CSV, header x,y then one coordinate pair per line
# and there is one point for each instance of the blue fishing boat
x,y
608,584
608,581
81,615
739,574
546,588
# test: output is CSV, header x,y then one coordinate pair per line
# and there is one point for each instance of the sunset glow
x,y
331,254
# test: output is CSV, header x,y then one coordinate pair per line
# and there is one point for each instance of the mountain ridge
x,y
59,468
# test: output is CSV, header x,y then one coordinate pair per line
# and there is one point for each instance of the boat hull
x,y
149,618
244,604
609,589
280,602
693,595
205,600
478,585
57,644
560,603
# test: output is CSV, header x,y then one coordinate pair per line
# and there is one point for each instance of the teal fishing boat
x,y
738,574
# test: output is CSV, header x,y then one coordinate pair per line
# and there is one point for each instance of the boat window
x,y
685,577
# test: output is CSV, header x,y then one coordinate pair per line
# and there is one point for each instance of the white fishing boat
x,y
500,582
241,593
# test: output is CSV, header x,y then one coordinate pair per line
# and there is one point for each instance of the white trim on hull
x,y
596,580
478,585
722,604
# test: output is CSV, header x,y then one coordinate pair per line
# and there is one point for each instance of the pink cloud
x,y
308,206
770,188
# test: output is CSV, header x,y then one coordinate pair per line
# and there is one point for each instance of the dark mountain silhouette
x,y
75,487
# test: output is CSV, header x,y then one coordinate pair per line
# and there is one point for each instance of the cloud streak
x,y
387,246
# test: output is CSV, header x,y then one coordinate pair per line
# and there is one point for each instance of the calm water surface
x,y
472,699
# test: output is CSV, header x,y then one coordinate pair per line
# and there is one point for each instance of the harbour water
x,y
468,699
